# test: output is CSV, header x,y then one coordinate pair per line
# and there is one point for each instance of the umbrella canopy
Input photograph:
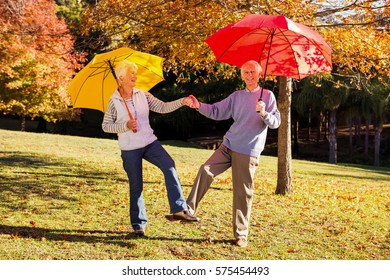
x,y
281,46
93,86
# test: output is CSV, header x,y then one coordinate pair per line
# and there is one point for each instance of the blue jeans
x,y
132,163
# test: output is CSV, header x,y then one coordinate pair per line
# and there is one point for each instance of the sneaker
x,y
185,216
241,242
139,232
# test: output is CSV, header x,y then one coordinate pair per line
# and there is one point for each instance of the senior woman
x,y
137,142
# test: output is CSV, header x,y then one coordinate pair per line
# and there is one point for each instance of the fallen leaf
x,y
291,250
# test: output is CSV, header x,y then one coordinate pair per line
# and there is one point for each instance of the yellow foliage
x,y
177,29
360,49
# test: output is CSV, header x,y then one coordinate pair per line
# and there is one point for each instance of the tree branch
x,y
385,19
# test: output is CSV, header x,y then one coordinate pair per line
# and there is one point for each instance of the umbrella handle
x,y
127,107
120,91
261,95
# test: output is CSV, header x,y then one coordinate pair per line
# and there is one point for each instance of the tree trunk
x,y
351,137
357,131
22,123
309,126
366,139
284,183
378,131
295,133
325,125
319,129
332,137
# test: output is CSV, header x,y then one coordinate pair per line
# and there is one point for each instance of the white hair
x,y
252,62
121,68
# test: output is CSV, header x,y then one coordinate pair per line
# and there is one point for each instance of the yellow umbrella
x,y
93,86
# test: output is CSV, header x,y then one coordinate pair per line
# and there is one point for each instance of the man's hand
x,y
191,102
260,108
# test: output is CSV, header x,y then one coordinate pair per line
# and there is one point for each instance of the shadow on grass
x,y
357,177
375,169
119,238
26,174
23,174
95,236
33,162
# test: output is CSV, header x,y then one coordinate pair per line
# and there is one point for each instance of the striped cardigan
x,y
116,117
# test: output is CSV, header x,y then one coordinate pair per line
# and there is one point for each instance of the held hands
x,y
191,102
260,108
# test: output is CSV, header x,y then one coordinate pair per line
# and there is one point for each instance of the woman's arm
x,y
109,124
158,106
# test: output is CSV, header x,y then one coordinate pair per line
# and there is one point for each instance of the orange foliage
x,y
37,59
177,29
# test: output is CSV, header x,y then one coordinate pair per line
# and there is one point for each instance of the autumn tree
x,y
36,60
176,30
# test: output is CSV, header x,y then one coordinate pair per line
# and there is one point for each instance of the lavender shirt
x,y
248,133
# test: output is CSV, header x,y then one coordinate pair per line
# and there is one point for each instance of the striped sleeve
x,y
158,106
109,124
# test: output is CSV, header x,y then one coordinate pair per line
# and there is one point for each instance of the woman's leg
x,y
157,155
132,163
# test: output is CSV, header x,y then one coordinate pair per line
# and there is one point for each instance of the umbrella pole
x,y
120,91
266,64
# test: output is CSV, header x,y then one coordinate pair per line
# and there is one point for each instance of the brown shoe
x,y
184,216
241,242
139,232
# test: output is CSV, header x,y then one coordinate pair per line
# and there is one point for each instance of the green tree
x,y
331,94
378,96
309,103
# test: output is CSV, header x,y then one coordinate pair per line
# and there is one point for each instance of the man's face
x,y
250,75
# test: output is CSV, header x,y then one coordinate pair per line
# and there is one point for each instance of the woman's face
x,y
130,78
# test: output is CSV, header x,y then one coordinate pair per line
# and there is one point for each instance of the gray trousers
x,y
243,170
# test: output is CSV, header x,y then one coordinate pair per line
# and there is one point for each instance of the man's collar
x,y
256,89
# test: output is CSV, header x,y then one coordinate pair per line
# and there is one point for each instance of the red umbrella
x,y
281,46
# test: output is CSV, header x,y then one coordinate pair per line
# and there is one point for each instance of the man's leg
x,y
243,170
219,162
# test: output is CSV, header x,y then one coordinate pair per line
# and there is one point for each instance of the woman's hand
x,y
132,125
191,102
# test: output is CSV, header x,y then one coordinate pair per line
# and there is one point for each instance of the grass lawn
x,y
64,197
